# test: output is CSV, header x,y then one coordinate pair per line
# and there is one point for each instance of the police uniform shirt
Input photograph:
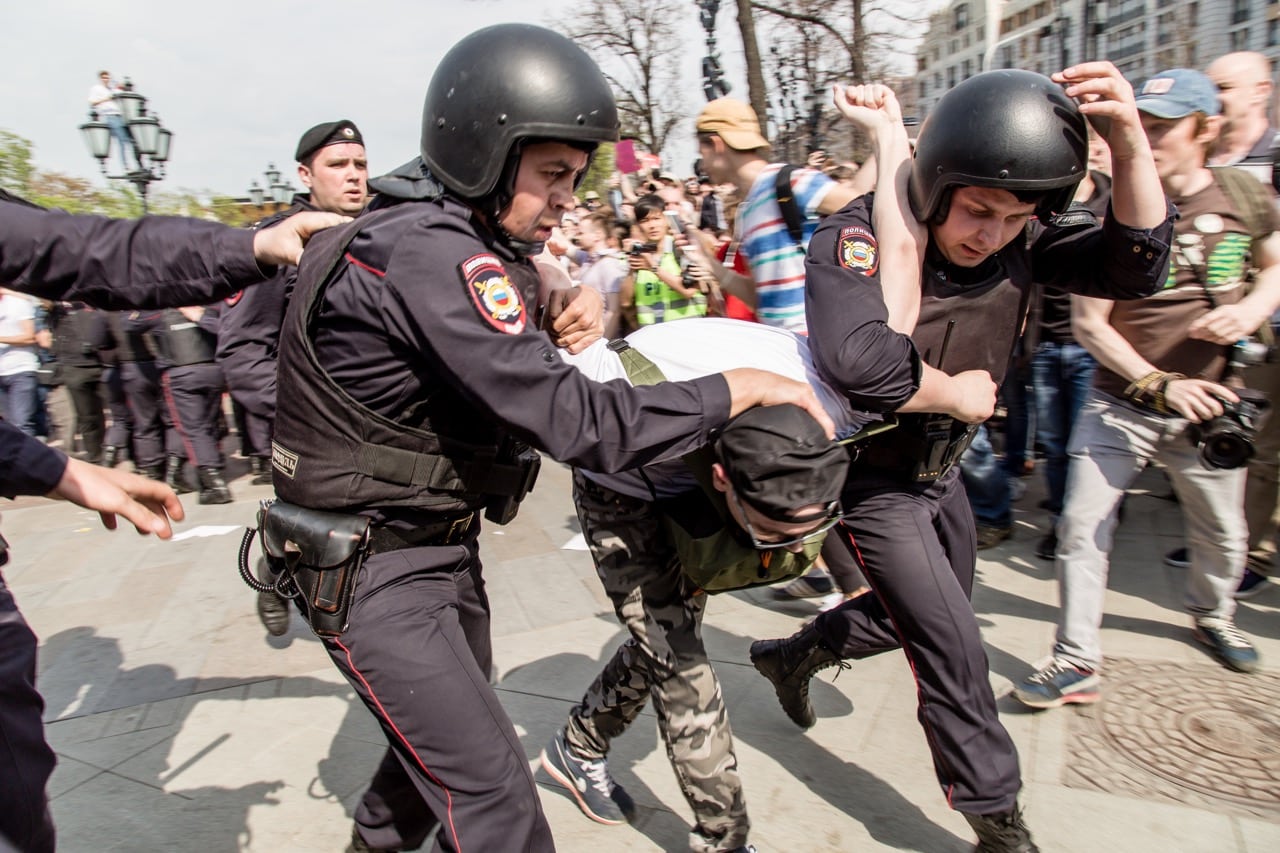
x,y
249,335
433,327
690,350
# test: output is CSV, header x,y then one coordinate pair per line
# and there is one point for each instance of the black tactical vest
x,y
182,342
331,452
977,321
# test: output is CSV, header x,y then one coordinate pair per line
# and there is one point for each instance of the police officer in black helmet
x,y
410,363
997,149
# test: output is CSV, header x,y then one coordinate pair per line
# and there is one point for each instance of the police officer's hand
x,y
871,107
576,316
973,396
281,244
750,387
145,503
1107,100
1197,399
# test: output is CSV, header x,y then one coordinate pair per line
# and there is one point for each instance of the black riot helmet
x,y
503,85
1007,129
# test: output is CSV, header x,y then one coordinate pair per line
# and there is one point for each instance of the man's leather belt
x,y
447,531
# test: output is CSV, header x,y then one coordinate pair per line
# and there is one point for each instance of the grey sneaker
x,y
588,780
1228,643
1058,683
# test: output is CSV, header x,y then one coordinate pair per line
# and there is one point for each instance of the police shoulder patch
x,y
495,298
857,250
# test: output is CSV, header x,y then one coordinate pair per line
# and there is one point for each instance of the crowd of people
x,y
761,374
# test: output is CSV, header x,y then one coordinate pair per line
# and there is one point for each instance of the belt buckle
x,y
458,527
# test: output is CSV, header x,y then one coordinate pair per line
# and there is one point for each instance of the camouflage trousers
x,y
664,660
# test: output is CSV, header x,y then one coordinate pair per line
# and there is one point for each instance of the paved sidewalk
x,y
180,726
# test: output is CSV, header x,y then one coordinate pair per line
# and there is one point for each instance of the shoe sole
x,y
1235,666
1083,697
567,783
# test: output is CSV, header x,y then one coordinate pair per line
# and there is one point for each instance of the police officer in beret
x,y
411,364
332,165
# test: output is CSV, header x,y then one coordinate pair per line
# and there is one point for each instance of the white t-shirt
x,y
708,345
104,108
14,310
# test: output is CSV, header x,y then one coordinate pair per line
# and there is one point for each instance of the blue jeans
x,y
1061,375
18,400
986,482
1017,423
120,132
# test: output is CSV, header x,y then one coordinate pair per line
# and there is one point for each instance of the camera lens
x,y
1227,449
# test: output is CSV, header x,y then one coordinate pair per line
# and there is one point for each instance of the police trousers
x,y
417,651
918,549
26,761
664,660
193,394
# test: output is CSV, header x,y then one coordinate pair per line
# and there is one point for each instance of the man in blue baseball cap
x,y
1161,365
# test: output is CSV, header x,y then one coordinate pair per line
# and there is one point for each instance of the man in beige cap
x,y
733,151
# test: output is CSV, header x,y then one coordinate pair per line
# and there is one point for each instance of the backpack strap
x,y
786,196
1249,197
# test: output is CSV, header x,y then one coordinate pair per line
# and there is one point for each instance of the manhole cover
x,y
1170,728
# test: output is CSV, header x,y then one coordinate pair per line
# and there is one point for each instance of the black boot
x,y
173,475
273,609
789,664
260,467
213,489
151,472
1002,833
110,456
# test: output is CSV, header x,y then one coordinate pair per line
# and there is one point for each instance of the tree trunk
x,y
755,71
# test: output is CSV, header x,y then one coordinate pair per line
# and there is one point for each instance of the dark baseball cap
x,y
1177,93
329,133
779,459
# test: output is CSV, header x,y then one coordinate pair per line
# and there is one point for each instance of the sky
x,y
237,82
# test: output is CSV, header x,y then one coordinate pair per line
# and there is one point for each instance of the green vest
x,y
658,303
699,522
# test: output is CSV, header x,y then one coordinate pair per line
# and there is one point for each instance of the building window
x,y
962,16
966,69
923,87
1240,39
1273,30
951,77
1239,11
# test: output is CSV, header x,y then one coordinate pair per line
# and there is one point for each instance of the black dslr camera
x,y
643,248
1227,440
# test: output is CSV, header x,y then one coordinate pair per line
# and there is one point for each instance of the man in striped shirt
x,y
733,152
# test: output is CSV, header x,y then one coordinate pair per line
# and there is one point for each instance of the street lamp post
x,y
281,192
151,141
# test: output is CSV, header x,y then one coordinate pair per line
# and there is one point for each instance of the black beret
x,y
329,133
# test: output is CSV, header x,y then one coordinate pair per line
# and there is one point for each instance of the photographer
x,y
655,280
1158,390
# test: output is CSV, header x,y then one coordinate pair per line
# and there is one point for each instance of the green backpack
x,y
699,522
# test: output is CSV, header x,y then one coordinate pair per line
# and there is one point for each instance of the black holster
x,y
319,553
